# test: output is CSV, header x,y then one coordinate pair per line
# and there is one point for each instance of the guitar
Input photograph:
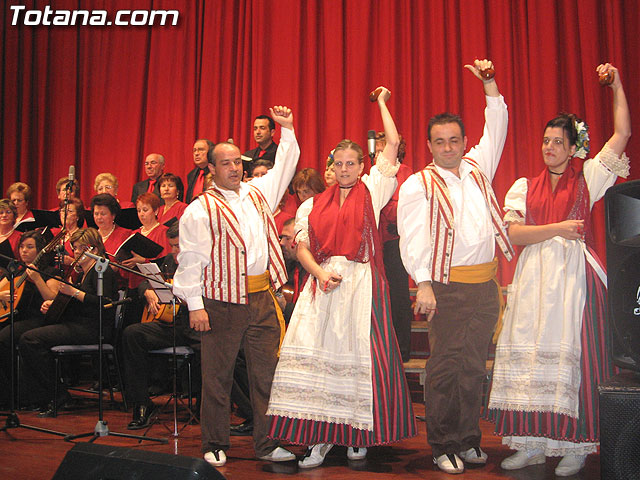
x,y
165,313
18,283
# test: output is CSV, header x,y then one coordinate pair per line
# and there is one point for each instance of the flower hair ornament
x,y
582,142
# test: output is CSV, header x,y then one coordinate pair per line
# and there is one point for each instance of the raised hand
x,y
480,67
282,115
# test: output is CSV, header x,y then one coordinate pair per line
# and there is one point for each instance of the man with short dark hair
x,y
449,224
263,130
202,157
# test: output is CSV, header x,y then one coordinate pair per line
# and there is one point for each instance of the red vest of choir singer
x,y
225,279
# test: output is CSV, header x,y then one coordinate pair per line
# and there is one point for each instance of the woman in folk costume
x,y
551,351
340,378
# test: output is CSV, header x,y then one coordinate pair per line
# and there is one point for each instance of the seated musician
x,y
77,323
8,214
31,289
139,338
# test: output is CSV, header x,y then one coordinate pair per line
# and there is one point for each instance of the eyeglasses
x,y
153,163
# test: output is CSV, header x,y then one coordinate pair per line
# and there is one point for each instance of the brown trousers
x,y
459,337
254,326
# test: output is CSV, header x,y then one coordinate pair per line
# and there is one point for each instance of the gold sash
x,y
481,273
261,283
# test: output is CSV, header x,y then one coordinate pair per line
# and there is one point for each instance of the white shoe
x,y
475,456
356,453
523,458
570,465
278,454
217,458
449,463
315,455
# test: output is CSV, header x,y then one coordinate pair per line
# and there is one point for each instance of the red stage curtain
x,y
103,97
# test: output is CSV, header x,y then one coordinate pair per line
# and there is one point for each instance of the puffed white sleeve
x,y
600,172
381,183
515,201
195,255
414,229
302,222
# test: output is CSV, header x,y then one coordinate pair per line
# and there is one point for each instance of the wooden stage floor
x,y
27,454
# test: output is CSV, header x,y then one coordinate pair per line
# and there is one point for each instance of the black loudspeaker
x,y
622,218
89,461
620,427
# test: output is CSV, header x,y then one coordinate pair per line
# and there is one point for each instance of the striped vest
x,y
441,221
225,279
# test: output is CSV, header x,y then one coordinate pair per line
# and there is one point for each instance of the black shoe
x,y
245,429
65,404
141,416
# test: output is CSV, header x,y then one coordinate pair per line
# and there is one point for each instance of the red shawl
x,y
569,201
348,231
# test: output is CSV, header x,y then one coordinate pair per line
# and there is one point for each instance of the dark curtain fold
x,y
103,97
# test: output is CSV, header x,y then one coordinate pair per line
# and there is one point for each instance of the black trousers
x,y
138,339
37,359
20,327
398,279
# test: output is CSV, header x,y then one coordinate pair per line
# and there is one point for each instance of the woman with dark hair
x,y
340,378
35,290
105,209
78,322
307,183
171,190
7,225
551,351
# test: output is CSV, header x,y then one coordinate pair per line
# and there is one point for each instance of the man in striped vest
x,y
449,224
230,263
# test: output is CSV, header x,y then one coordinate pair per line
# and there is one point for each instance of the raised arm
x,y
488,151
276,181
391,136
621,117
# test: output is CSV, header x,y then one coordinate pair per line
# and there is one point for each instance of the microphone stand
x,y
13,421
101,429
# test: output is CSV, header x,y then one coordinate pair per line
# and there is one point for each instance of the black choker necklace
x,y
554,173
348,186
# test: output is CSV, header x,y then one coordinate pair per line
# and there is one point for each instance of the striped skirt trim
x,y
393,418
596,366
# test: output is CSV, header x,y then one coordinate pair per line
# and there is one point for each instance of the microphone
x,y
371,143
119,302
72,176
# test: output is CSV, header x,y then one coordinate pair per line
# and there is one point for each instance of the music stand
x,y
101,429
13,421
166,296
